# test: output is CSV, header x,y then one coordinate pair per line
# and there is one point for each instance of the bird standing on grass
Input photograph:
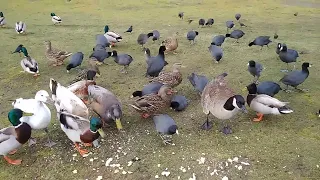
x,y
236,34
202,22
180,15
122,59
166,127
129,30
295,78
261,41
255,70
55,19
219,100
2,19
76,60
192,35
264,104
21,27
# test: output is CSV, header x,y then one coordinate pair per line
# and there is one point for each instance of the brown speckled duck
x,y
55,56
171,44
154,103
91,70
171,79
220,100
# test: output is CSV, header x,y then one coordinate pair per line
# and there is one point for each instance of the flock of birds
x,y
83,96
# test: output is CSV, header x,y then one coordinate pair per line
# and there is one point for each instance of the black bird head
x,y
18,49
252,63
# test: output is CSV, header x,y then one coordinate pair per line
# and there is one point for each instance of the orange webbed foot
x,y
259,118
11,161
81,151
145,115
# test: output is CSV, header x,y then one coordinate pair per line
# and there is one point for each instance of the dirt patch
x,y
302,3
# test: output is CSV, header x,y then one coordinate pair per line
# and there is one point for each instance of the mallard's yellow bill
x,y
118,124
101,132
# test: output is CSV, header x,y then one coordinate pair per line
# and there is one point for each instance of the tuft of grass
x,y
280,147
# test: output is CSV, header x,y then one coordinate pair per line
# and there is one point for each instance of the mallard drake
x,y
80,130
112,37
2,19
80,88
105,104
55,56
171,43
264,104
64,99
92,70
55,19
172,79
21,27
41,113
219,100
29,64
154,103
14,136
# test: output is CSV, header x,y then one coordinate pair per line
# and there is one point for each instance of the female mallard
x,y
2,20
29,64
55,19
80,130
112,37
171,44
65,99
54,55
105,104
154,103
41,113
92,70
265,104
80,88
13,137
21,27
172,79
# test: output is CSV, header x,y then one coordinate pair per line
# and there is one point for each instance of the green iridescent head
x,y
53,14
106,29
14,116
24,51
95,124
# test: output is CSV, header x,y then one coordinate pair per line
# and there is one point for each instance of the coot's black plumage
x,y
218,40
179,103
287,55
261,41
198,82
236,34
295,78
156,63
268,87
151,88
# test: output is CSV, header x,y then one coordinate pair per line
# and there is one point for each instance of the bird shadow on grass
x,y
69,25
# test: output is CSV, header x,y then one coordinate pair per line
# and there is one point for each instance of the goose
x,y
219,100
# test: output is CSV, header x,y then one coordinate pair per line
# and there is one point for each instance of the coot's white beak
x,y
177,132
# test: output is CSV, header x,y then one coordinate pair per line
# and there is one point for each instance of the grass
x,y
280,147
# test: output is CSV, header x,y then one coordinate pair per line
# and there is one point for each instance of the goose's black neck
x,y
228,105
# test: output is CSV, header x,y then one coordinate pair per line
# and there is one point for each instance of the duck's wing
x,y
74,122
29,62
57,18
5,133
269,101
146,101
77,85
113,34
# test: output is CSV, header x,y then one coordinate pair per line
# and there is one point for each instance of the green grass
x,y
280,147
